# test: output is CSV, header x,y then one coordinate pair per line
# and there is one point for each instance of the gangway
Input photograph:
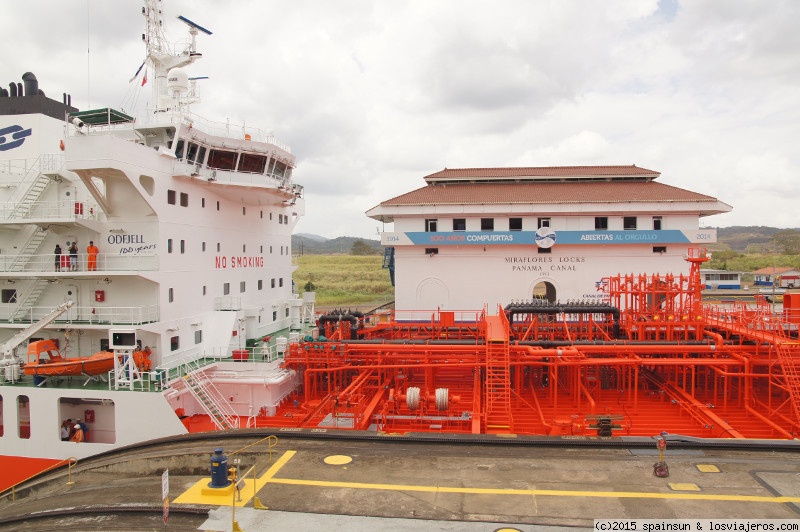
x,y
10,363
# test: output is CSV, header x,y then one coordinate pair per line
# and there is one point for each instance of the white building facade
x,y
489,236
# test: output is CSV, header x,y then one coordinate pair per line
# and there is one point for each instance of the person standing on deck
x,y
57,253
73,257
91,253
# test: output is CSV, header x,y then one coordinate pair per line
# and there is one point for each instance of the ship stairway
x,y
28,244
211,400
28,298
45,170
498,384
790,363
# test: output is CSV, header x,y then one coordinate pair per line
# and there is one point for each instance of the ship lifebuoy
x,y
61,144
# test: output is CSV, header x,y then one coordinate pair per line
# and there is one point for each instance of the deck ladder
x,y
790,363
211,400
498,385
32,240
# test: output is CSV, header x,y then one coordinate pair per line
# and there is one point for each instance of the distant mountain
x,y
312,245
309,236
748,237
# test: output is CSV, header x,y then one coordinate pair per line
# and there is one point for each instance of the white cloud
x,y
372,96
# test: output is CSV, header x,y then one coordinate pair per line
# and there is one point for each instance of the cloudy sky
x,y
372,95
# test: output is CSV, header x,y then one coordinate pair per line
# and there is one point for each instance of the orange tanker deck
x,y
650,358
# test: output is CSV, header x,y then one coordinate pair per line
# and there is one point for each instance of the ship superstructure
x,y
163,230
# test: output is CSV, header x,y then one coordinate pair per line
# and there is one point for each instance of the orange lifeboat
x,y
45,360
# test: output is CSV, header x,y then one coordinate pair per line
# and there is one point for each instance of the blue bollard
x,y
219,470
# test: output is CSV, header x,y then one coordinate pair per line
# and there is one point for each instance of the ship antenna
x,y
161,55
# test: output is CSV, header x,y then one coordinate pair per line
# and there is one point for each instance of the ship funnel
x,y
31,84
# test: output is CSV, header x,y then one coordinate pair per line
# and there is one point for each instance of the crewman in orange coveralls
x,y
92,252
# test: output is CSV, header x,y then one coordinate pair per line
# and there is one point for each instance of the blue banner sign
x,y
486,238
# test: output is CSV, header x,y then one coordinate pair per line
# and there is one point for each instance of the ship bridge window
x,y
174,343
171,197
184,199
278,168
221,160
254,164
179,150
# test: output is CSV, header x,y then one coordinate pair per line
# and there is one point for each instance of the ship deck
x,y
297,482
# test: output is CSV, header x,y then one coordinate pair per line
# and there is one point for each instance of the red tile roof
x,y
547,192
769,270
494,174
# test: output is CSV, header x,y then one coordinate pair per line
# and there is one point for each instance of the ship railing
x,y
459,316
226,129
106,262
51,210
86,315
235,177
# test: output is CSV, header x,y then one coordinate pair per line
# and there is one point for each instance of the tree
x,y
361,248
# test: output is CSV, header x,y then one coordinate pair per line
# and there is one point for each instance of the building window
x,y
515,224
286,312
272,283
244,248
171,295
198,336
184,199
219,247
203,246
261,284
171,197
280,282
262,214
459,224
183,246
542,222
9,295
601,223
174,343
241,286
487,224
629,223
169,245
657,223
659,249
203,202
204,289
217,205
431,251
226,289
244,211
274,315
430,225
543,251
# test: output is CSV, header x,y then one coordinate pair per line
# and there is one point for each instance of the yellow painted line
x,y
683,486
529,492
224,496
